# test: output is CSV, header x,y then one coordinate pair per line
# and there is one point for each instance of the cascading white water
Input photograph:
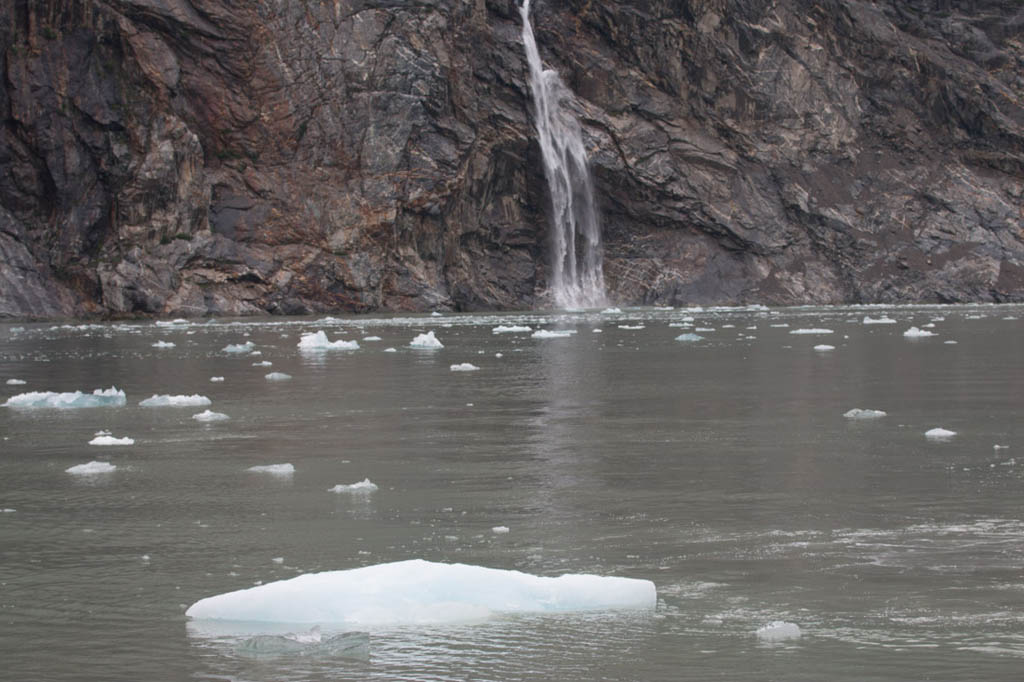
x,y
577,280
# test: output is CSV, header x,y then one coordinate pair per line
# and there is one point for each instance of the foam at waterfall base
x,y
418,591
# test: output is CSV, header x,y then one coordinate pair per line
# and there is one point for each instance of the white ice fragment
x,y
239,347
163,344
390,350
210,416
426,341
363,487
216,380
110,397
631,326
610,311
704,330
8,510
91,468
689,338
939,434
464,367
371,338
194,400
16,382
262,363
111,440
435,314
170,323
857,413
511,329
277,376
273,469
824,347
317,341
422,592
553,334
103,432
280,560
255,353
778,631
878,320
811,331
597,330
499,530
781,325
950,342
499,355
915,333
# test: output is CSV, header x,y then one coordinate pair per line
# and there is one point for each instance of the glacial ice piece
x,y
500,530
857,413
91,468
427,341
163,344
689,338
210,416
939,434
273,469
511,329
110,397
216,380
363,487
263,363
552,334
16,382
878,320
317,341
824,347
277,376
107,439
355,645
239,347
778,631
418,591
194,400
915,333
464,367
811,331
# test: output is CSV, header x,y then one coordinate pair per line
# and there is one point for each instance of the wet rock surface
x,y
193,157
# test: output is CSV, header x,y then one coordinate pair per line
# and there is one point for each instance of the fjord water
x,y
722,469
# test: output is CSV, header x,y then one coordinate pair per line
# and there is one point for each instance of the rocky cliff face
x,y
188,157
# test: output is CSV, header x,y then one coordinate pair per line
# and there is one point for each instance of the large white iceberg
x,y
318,341
427,340
194,400
110,397
418,591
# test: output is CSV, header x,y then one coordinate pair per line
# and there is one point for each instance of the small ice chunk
x,y
277,376
499,355
216,380
194,400
811,331
363,487
950,342
553,334
915,333
689,338
255,353
824,347
704,330
16,382
110,397
8,510
111,440
597,330
610,311
781,325
631,326
317,341
426,341
103,432
778,631
435,314
246,347
91,468
1000,447
273,469
500,530
262,363
939,434
857,413
163,344
390,350
464,367
210,416
280,560
371,338
511,329
884,319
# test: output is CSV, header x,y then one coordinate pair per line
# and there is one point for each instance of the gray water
x,y
722,469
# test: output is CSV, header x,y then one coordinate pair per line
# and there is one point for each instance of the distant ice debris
x,y
553,334
689,338
511,329
597,330
277,376
390,350
273,469
110,397
246,347
216,380
500,530
91,468
194,400
950,342
878,320
858,413
915,333
263,363
434,313
422,592
210,416
704,330
781,325
8,510
778,631
363,487
464,367
16,382
317,341
610,311
171,323
811,331
426,341
163,344
821,347
631,326
111,440
939,434
371,338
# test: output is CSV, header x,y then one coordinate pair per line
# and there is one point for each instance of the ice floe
x,y
553,334
426,341
106,439
631,326
194,400
364,486
822,347
422,592
511,329
811,331
371,338
878,320
263,363
858,413
273,469
163,344
610,311
91,468
277,376
246,347
464,367
939,434
210,416
500,530
16,382
690,338
318,341
216,380
390,350
915,333
110,397
778,631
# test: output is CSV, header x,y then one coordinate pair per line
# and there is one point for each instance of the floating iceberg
x,y
427,340
464,367
390,350
939,434
878,320
318,341
110,397
91,468
216,380
239,347
163,344
512,329
210,416
263,363
418,592
811,331
824,347
631,326
915,333
274,469
553,334
363,487
689,338
371,338
16,382
500,530
194,400
171,323
857,413
610,311
778,631
277,376
107,439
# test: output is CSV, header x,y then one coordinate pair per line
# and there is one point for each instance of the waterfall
x,y
576,277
